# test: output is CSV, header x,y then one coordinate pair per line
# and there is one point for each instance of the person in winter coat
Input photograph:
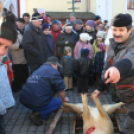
x,y
84,42
48,41
99,61
56,30
38,92
68,64
119,67
90,24
83,65
100,39
33,43
78,28
20,68
65,39
8,35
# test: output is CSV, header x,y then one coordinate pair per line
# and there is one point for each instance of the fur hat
x,y
84,52
121,20
84,37
68,26
101,34
8,27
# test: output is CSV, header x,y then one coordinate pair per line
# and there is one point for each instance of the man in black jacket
x,y
33,43
78,27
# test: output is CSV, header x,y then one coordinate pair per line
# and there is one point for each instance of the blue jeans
x,y
53,105
2,125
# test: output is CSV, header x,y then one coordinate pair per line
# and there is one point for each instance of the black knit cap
x,y
21,20
122,20
8,28
97,17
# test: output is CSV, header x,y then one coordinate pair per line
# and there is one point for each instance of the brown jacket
x,y
125,50
18,56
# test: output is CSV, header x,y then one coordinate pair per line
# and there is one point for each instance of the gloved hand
x,y
112,75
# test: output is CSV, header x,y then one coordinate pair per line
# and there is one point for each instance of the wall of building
x,y
53,5
120,6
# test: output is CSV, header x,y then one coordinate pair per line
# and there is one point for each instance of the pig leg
x,y
99,107
86,113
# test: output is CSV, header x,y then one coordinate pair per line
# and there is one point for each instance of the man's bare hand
x,y
66,99
97,94
112,75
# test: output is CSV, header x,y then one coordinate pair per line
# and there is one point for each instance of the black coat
x,y
68,64
79,32
99,62
33,44
83,66
63,37
49,45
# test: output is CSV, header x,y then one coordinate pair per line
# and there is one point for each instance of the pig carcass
x,y
95,119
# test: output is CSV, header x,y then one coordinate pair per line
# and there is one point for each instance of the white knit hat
x,y
101,34
84,37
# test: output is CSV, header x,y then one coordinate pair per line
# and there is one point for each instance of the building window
x,y
77,1
130,4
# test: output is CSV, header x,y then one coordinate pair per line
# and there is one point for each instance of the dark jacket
x,y
68,64
49,45
99,62
41,87
79,32
83,66
91,33
63,37
33,44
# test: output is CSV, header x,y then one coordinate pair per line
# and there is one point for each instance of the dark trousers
x,y
82,84
2,125
34,67
20,75
52,106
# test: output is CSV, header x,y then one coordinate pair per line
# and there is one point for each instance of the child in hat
x,y
68,64
83,65
99,61
100,39
48,41
83,42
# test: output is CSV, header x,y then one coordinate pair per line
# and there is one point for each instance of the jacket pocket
x,y
126,95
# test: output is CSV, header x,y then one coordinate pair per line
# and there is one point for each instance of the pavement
x,y
17,118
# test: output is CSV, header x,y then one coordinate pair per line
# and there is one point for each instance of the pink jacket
x,y
77,50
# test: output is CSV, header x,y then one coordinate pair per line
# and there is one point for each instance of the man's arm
x,y
62,95
58,85
27,44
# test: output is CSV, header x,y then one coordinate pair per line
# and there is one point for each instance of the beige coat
x,y
18,55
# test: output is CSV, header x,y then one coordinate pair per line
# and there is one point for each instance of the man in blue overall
x,y
38,92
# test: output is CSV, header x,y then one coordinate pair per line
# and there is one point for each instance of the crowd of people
x,y
44,58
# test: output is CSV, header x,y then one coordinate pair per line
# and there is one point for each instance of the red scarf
x,y
55,36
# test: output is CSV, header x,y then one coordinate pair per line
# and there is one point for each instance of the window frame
x,y
129,9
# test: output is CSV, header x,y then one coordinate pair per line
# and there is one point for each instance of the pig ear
x,y
90,130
